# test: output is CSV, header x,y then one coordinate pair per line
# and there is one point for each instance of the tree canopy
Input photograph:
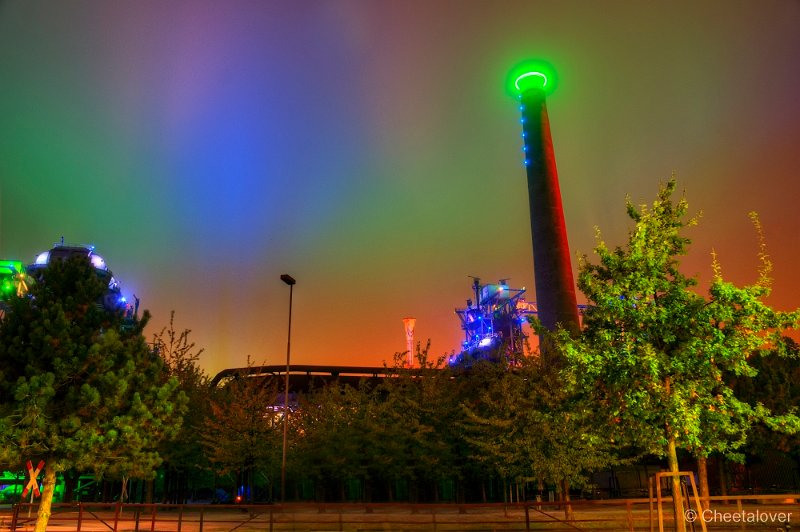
x,y
77,389
242,434
654,352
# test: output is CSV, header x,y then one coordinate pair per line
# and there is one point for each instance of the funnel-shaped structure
x,y
555,287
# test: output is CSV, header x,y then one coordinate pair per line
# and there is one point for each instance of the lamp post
x,y
288,279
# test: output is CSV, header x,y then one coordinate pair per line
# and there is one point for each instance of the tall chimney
x,y
555,286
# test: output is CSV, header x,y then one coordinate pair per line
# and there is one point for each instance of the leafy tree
x,y
653,352
415,429
184,455
777,387
332,442
527,425
243,433
78,389
491,423
403,429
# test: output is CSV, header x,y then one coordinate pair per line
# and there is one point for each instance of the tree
x,y
77,389
777,387
243,433
332,435
653,352
415,426
527,425
403,429
184,455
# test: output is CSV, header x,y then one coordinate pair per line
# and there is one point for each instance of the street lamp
x,y
288,279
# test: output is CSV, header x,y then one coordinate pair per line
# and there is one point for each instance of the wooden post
x,y
658,495
630,515
739,509
117,508
650,493
15,516
673,475
527,519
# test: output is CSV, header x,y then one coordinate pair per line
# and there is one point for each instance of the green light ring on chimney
x,y
540,83
531,75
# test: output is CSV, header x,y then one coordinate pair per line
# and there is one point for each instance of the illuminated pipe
x,y
555,286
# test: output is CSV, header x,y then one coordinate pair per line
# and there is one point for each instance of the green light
x,y
7,286
531,75
8,273
10,267
542,80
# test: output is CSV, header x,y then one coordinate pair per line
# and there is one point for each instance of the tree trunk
x,y
69,485
148,497
723,478
47,497
677,496
702,474
568,515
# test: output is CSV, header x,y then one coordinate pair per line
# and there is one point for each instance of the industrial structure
x,y
492,323
15,278
552,267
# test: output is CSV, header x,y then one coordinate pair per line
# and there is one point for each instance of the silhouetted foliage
x,y
242,435
77,389
184,456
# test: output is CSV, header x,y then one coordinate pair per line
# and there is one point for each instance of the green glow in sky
x,y
531,74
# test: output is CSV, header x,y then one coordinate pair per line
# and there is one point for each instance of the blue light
x,y
522,120
527,162
524,134
525,148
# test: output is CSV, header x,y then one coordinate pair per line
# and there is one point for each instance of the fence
x,y
632,515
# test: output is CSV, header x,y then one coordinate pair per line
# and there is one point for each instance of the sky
x,y
370,150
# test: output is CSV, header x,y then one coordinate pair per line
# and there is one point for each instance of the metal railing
x,y
632,515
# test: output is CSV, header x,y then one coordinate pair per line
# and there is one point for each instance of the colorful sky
x,y
369,149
